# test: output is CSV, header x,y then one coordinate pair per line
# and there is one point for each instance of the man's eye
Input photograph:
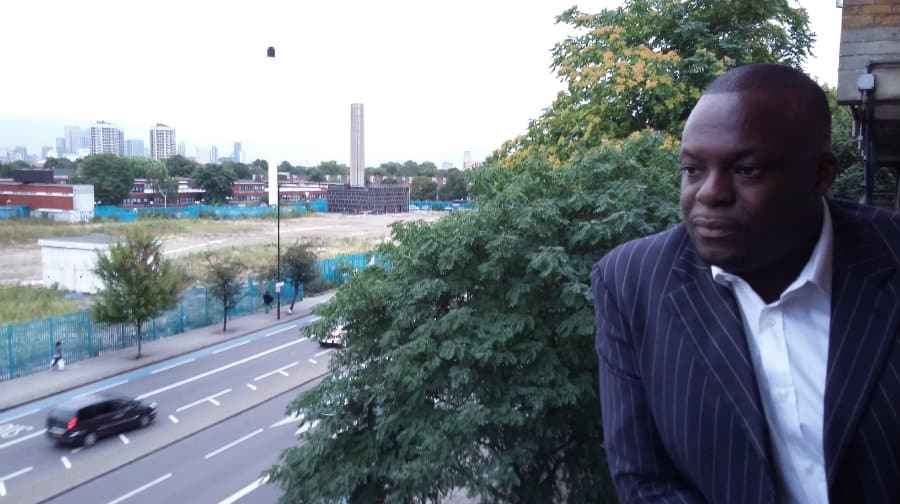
x,y
689,170
748,171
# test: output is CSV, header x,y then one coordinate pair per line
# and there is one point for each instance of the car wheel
x,y
89,440
144,421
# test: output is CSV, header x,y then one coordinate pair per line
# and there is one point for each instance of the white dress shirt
x,y
788,343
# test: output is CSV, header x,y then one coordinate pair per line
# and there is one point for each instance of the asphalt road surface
x,y
225,463
202,396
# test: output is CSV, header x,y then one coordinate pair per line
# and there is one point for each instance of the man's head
x,y
756,161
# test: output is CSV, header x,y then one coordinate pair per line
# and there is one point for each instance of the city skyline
x,y
437,81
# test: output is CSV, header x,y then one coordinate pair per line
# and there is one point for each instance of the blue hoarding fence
x,y
28,346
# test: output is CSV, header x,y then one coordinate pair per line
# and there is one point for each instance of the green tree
x,y
217,181
138,282
111,176
61,163
223,276
470,361
422,188
161,182
333,168
455,187
645,64
299,265
428,169
180,166
285,167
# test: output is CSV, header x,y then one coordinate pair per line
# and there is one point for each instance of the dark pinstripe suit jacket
x,y
682,417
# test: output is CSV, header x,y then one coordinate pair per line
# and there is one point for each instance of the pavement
x,y
25,389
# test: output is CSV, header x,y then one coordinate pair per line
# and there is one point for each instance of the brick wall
x,y
870,31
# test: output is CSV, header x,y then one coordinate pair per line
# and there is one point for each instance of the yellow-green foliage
x,y
21,303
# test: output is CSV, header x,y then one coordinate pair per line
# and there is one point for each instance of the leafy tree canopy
x,y
111,176
138,281
470,361
180,166
455,187
645,64
224,278
422,188
216,180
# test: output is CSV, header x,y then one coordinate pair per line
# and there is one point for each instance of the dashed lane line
x,y
140,489
232,444
203,400
277,371
65,462
216,370
4,479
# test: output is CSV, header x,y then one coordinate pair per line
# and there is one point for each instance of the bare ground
x,y
336,234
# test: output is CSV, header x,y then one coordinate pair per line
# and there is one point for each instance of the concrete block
x,y
857,21
858,2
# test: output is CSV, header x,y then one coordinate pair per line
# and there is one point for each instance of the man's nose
x,y
716,189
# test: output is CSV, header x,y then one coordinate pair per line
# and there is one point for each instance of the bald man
x,y
750,354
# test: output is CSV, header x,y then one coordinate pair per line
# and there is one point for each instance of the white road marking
x,y
277,371
76,450
190,247
230,347
111,385
313,361
4,479
323,352
232,444
251,386
123,439
173,419
65,462
217,370
23,438
160,370
231,499
217,403
305,338
272,333
201,401
306,426
295,417
140,489
10,419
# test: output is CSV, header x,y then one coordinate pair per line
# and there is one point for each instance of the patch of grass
x,y
20,303
259,256
28,231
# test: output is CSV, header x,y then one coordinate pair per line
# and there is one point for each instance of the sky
x,y
436,78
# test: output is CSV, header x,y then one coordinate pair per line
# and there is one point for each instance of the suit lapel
x,y
864,319
713,323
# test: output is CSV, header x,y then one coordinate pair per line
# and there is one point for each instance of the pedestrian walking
x,y
267,300
57,363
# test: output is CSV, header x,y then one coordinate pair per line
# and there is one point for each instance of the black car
x,y
82,421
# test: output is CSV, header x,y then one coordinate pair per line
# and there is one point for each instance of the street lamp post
x,y
278,283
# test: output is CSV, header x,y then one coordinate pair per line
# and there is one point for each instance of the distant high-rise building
x,y
44,150
467,160
107,139
72,135
61,146
162,142
134,147
86,139
236,155
446,165
213,154
182,150
357,146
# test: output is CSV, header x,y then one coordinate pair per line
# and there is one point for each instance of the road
x,y
194,392
223,464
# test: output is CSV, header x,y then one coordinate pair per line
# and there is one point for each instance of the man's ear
x,y
826,172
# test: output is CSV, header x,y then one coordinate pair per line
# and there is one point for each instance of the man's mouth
x,y
706,227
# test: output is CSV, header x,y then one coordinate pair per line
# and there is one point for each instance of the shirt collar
x,y
817,269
